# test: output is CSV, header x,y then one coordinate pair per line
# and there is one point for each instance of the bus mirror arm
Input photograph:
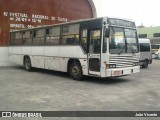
x,y
107,31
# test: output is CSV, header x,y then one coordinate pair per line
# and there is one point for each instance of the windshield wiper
x,y
131,48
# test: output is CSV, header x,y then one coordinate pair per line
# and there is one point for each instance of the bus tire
x,y
145,64
27,64
75,71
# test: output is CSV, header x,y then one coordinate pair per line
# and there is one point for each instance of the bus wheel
x,y
27,64
145,64
75,71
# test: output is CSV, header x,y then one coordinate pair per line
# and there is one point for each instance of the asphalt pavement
x,y
44,90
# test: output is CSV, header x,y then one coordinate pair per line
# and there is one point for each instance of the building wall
x,y
22,14
150,31
4,57
17,14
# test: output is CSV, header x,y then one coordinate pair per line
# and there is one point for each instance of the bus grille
x,y
123,61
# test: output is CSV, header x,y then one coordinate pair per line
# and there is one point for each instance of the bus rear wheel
x,y
27,64
75,71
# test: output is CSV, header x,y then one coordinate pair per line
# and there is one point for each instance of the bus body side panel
x,y
67,52
104,61
83,61
145,56
26,50
52,59
37,57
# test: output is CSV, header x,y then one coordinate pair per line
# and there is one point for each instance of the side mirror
x,y
107,31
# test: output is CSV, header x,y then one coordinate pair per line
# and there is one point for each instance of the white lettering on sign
x,y
36,20
40,17
18,15
53,18
30,26
12,30
11,18
17,26
21,19
62,19
16,19
5,13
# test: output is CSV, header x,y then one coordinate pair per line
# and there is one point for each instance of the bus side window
x,y
17,38
34,33
144,47
84,33
38,37
70,35
104,45
95,41
27,38
12,38
52,36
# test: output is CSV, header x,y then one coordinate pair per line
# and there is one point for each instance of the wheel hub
x,y
75,70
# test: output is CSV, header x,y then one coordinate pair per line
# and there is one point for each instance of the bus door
x,y
94,51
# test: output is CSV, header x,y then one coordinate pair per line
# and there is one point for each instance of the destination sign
x,y
120,22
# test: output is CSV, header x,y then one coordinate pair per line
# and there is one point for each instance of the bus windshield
x,y
145,47
122,41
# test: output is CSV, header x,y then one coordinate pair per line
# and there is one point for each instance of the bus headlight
x,y
112,66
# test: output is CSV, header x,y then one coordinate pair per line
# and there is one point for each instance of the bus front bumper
x,y
122,71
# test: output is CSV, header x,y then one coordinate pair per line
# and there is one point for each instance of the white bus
x,y
100,47
145,52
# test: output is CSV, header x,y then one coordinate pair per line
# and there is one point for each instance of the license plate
x,y
117,73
